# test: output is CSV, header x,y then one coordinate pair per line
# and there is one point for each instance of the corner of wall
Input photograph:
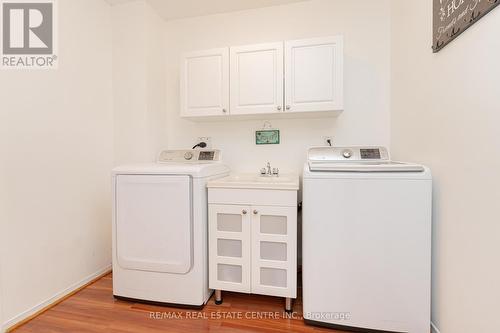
x,y
139,77
434,328
2,327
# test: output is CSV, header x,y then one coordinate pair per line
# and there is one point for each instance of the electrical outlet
x,y
328,140
206,139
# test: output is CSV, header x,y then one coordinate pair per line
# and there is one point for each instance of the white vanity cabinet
x,y
296,77
253,237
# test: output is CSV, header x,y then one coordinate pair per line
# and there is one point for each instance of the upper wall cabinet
x,y
314,74
292,77
256,78
205,83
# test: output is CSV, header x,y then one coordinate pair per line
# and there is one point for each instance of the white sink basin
x,y
252,181
274,179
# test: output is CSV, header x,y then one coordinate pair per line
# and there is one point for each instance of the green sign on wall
x,y
267,137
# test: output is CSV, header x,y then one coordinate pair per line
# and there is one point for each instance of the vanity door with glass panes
x,y
274,251
253,249
229,247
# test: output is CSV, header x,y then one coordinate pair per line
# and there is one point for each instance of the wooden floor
x,y
94,309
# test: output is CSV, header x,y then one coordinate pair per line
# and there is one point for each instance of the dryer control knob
x,y
188,155
347,153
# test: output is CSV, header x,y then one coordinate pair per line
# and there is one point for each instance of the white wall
x,y
445,113
56,154
3,212
366,27
138,82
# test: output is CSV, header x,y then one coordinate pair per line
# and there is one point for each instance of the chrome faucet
x,y
268,171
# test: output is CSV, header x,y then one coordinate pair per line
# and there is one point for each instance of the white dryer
x,y
160,227
366,241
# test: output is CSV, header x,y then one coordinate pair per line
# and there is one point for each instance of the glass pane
x,y
229,222
270,224
273,251
273,277
229,248
229,273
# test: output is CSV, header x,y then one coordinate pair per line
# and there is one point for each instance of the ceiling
x,y
176,9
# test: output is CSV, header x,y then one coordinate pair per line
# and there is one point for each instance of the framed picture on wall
x,y
453,17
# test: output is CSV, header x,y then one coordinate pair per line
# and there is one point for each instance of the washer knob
x,y
188,155
347,153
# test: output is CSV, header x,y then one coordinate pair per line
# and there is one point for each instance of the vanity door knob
x,y
224,110
288,107
244,212
279,107
256,212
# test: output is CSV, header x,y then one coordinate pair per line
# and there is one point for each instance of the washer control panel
x,y
192,155
348,154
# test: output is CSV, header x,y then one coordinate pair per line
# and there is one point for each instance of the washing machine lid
x,y
198,163
356,159
366,167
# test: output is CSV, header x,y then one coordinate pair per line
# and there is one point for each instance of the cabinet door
x,y
274,251
257,78
314,74
229,247
205,83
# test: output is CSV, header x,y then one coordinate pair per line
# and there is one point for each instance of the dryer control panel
x,y
190,155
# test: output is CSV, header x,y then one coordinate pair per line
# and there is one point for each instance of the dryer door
x,y
154,223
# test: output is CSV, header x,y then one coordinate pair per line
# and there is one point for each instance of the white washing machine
x,y
160,228
366,241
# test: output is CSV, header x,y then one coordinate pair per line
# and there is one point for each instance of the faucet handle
x,y
276,171
263,171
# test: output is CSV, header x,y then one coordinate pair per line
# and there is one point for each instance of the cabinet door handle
x,y
279,108
256,212
224,110
244,212
288,107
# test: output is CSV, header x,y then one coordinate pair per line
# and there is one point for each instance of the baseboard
x,y
434,328
38,309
